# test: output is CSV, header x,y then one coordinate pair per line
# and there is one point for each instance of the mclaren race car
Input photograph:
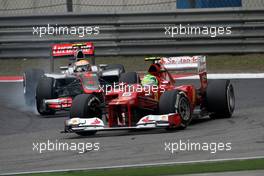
x,y
54,91
164,104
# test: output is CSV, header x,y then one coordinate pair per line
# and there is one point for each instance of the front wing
x,y
59,103
74,125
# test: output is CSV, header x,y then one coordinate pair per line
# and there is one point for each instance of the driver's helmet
x,y
79,55
149,80
82,66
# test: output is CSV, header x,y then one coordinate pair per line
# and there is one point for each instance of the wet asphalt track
x,y
21,126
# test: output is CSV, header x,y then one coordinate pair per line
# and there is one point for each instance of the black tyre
x,y
45,90
129,78
220,98
30,80
116,66
86,106
174,101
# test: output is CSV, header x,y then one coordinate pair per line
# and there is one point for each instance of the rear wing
x,y
181,63
70,49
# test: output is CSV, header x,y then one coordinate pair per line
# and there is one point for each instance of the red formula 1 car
x,y
132,105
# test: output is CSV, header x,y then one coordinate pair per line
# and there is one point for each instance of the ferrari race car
x,y
164,105
54,91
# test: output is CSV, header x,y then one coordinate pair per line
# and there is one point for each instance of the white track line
x,y
229,76
135,165
11,81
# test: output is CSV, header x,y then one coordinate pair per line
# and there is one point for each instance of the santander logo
x,y
179,60
69,49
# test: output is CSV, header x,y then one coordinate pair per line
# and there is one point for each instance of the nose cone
x,y
125,98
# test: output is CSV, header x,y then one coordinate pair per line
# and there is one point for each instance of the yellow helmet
x,y
81,63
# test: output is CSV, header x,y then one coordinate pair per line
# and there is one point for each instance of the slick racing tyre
x,y
175,101
220,98
45,90
116,66
30,80
129,78
86,106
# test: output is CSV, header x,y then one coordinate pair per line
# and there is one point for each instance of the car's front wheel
x,y
174,101
86,106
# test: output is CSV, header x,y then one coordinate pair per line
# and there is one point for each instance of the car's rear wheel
x,y
220,98
129,78
116,66
45,90
174,101
86,106
30,81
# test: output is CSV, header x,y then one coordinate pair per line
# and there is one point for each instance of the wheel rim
x,y
184,109
42,106
230,98
94,106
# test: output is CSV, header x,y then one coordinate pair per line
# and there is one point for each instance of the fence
x,y
18,7
140,33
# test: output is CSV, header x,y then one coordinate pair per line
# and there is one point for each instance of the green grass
x,y
239,63
223,166
215,64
